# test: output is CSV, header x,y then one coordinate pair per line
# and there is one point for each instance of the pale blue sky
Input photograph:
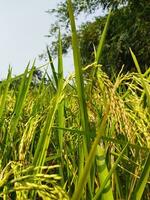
x,y
23,24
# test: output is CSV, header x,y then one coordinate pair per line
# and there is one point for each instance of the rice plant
x,y
75,138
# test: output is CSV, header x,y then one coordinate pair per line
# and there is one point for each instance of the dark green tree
x,y
129,27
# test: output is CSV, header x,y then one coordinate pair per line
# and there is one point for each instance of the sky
x,y
23,26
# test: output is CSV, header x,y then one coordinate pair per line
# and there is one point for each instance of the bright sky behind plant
x,y
23,26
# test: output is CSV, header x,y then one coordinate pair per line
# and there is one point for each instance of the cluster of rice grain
x,y
86,137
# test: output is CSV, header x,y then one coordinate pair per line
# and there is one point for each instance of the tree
x,y
129,27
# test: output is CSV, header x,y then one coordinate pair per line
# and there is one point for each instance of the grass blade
x,y
61,120
24,88
52,67
102,40
141,184
80,90
84,176
60,86
99,51
78,70
142,79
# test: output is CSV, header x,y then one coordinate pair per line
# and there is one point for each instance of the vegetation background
x,y
86,136
129,28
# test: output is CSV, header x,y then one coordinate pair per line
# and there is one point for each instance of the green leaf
x,y
52,67
142,78
103,173
102,40
141,184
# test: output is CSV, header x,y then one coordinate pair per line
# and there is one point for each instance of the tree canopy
x,y
129,28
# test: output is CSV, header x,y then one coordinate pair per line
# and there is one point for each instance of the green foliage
x,y
123,129
129,28
60,141
120,114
